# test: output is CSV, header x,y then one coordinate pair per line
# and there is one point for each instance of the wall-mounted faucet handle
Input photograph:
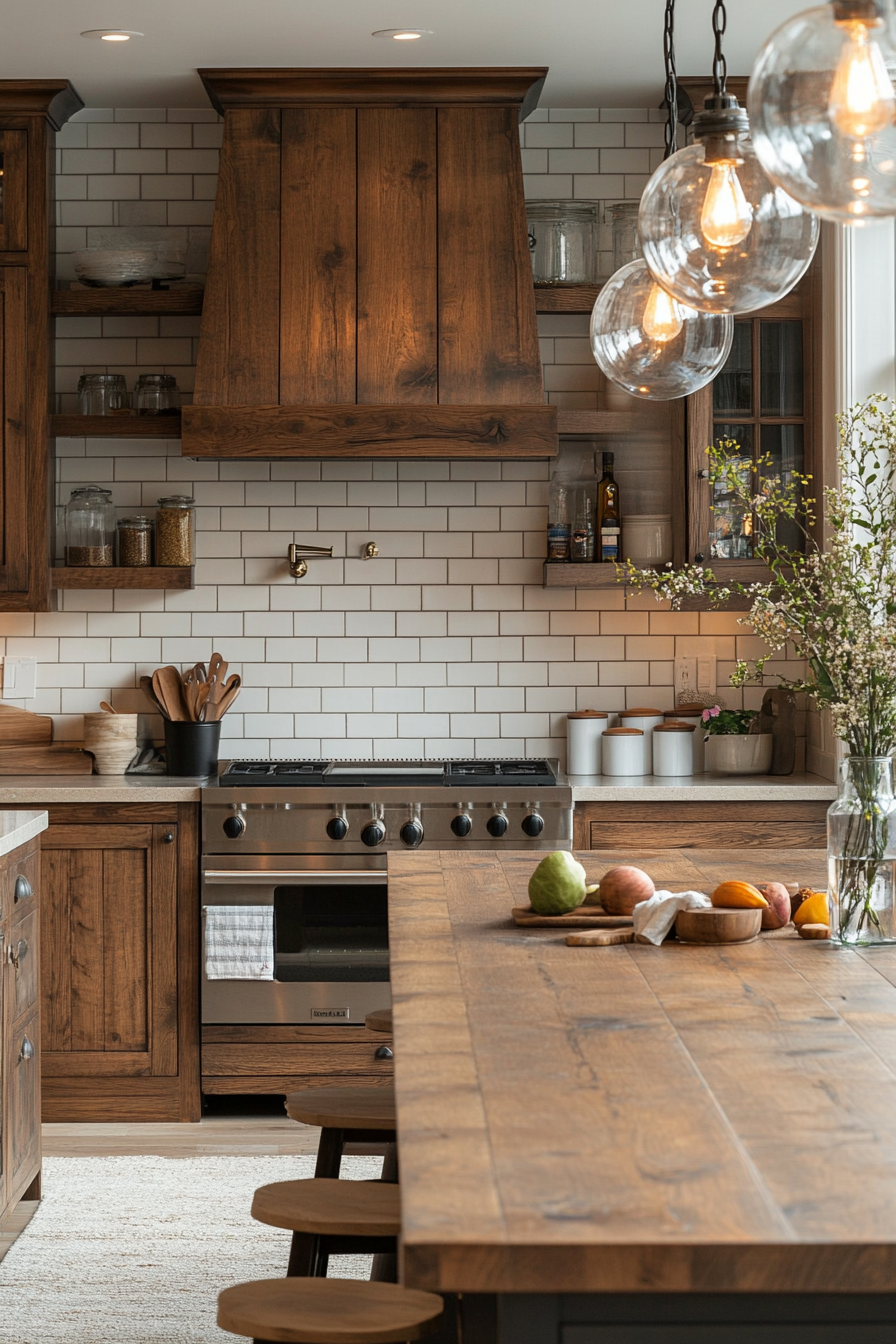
x,y
370,551
298,567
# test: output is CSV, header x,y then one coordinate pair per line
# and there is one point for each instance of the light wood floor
x,y
237,1135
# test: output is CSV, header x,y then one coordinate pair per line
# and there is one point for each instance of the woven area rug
x,y
134,1250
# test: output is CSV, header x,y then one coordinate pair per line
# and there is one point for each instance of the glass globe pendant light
x,y
643,339
716,231
822,104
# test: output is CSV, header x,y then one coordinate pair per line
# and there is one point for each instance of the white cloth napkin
x,y
239,942
653,919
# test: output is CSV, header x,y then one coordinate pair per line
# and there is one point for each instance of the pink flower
x,y
711,713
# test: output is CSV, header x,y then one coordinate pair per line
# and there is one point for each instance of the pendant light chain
x,y
719,64
671,79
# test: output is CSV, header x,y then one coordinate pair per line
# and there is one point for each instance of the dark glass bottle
x,y
609,518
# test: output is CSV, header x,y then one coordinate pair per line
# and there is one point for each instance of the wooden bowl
x,y
721,924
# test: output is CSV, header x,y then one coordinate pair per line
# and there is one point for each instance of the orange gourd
x,y
739,896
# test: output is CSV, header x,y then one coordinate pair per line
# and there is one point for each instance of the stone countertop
x,y
700,788
17,827
44,789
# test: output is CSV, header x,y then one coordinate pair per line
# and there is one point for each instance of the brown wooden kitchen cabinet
x,y
119,987
31,111
20,1150
775,824
274,1059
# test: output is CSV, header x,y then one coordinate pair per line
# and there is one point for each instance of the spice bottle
x,y
174,530
135,541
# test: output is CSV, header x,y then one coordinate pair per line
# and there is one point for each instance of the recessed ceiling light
x,y
403,34
111,34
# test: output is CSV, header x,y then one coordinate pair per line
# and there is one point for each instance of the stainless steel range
x,y
310,838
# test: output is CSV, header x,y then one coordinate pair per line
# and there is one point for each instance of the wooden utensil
x,y
169,689
585,917
721,924
202,693
216,709
104,704
146,687
600,937
217,671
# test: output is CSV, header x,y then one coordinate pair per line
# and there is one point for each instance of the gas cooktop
x,y
370,774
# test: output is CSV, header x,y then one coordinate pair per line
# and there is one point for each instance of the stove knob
x,y
496,825
374,833
412,833
462,825
234,827
533,825
337,828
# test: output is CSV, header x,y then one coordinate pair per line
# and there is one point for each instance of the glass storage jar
x,y
135,541
102,394
90,527
156,394
174,530
563,242
624,224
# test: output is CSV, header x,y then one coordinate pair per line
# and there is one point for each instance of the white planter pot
x,y
739,753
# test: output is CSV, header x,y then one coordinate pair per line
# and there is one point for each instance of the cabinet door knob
x,y
168,838
703,475
699,557
27,1050
383,1053
23,889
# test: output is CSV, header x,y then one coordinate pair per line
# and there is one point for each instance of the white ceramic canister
x,y
646,720
647,538
673,751
583,734
691,714
622,752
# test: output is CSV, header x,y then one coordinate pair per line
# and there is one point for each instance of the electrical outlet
x,y
685,679
706,674
19,678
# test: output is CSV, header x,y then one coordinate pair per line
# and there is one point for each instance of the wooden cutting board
x,y
19,726
585,917
44,760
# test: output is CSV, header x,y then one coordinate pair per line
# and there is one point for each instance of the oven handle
x,y
306,876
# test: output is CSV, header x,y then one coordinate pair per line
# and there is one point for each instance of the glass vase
x,y
862,853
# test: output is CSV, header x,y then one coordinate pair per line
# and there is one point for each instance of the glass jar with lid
x,y
156,394
626,239
563,242
102,394
90,528
135,541
174,530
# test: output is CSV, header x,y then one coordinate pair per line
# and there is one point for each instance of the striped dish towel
x,y
239,942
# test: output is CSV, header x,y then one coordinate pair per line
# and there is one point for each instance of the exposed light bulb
x,y
727,217
862,100
662,320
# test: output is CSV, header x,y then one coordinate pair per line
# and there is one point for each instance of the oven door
x,y
331,939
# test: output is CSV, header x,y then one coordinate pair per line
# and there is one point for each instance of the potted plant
x,y
734,744
834,601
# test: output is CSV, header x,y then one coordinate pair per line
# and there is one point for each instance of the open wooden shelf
x,y
186,302
566,298
572,575
122,576
598,422
115,426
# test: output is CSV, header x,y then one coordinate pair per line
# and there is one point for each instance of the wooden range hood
x,y
370,288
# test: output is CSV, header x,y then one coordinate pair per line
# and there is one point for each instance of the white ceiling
x,y
600,52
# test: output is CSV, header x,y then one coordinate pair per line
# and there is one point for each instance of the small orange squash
x,y
739,896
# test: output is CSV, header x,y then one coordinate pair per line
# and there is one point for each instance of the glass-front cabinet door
x,y
13,191
759,409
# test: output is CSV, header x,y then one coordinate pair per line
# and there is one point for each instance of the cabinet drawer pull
x,y
17,954
168,838
27,1050
383,1053
23,889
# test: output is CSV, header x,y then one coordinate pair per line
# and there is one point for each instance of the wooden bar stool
x,y
331,1217
327,1311
345,1115
380,1020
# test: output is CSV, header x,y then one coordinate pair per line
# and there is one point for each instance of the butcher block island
x,y
610,1128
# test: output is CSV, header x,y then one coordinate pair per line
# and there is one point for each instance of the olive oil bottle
x,y
609,518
